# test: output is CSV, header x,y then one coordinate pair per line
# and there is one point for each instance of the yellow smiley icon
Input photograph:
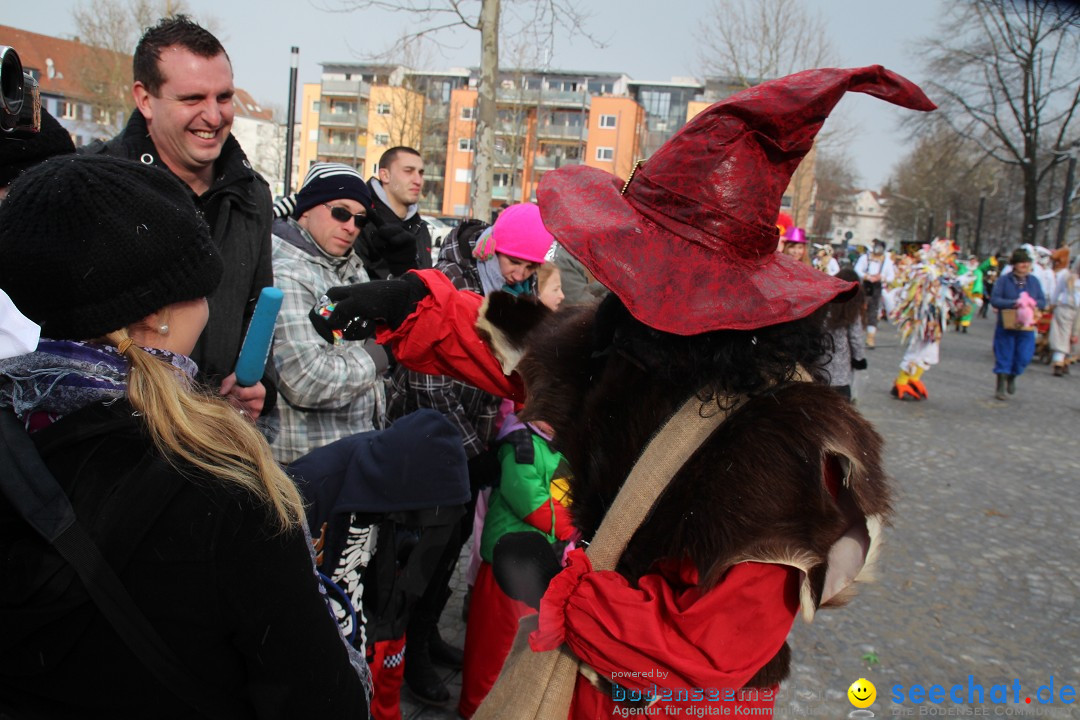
x,y
862,693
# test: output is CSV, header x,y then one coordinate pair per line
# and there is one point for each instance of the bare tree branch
x,y
1006,74
751,40
434,18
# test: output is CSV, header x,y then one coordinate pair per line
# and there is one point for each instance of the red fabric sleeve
x,y
540,518
684,638
440,338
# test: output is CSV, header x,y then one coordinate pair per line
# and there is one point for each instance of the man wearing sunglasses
x,y
327,391
397,239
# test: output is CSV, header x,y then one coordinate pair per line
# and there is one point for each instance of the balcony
x,y
436,111
348,150
500,192
513,129
506,160
344,119
517,96
563,132
543,163
346,87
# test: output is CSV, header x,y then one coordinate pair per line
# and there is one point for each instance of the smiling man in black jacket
x,y
183,94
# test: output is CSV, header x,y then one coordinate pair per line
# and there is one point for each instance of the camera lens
x,y
11,82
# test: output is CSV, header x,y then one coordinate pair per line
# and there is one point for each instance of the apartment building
x,y
545,119
358,111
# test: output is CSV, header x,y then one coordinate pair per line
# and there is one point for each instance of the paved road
x,y
981,574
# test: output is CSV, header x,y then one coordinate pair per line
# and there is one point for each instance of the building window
x,y
500,180
785,202
382,109
102,116
607,121
382,139
465,144
468,113
605,153
314,106
463,175
68,110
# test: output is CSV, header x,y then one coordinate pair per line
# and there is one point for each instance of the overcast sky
x,y
648,40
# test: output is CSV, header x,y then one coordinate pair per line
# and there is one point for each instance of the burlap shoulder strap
x,y
540,686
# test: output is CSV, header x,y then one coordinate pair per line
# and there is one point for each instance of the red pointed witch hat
x,y
688,243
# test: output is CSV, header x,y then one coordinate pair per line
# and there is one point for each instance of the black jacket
x,y
238,209
374,264
236,602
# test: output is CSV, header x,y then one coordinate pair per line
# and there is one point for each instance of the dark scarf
x,y
63,376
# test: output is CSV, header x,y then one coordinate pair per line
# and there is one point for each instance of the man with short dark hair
x,y
396,240
183,90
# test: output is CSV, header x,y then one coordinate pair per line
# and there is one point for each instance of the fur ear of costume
x,y
505,321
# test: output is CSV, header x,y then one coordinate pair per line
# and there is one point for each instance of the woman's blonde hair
x,y
205,431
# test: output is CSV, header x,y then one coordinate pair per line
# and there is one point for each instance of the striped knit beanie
x,y
92,244
324,183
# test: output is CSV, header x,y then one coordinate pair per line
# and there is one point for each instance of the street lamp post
x,y
293,64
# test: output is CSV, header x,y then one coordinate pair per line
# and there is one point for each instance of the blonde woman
x,y
176,487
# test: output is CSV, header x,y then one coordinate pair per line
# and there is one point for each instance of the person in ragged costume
x,y
701,307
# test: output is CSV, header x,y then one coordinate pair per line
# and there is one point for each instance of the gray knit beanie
x,y
92,244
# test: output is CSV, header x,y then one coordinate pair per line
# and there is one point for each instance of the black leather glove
x,y
484,471
394,244
524,564
858,364
357,307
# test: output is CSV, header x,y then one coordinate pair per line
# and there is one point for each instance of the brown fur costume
x,y
755,491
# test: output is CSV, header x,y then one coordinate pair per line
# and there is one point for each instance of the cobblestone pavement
x,y
975,578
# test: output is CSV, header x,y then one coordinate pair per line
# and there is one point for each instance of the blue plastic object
x,y
260,333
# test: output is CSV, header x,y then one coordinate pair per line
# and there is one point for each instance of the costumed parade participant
x,y
795,245
970,275
824,260
1014,335
1065,327
929,293
711,342
875,269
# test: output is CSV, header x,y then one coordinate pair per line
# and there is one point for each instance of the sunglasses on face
x,y
342,214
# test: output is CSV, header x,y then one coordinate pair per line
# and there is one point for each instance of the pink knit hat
x,y
520,233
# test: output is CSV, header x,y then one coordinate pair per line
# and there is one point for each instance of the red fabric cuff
x,y
551,632
439,338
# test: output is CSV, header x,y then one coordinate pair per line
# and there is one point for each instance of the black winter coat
x,y
237,602
239,211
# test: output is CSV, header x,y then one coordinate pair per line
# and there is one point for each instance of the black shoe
x,y
1000,394
445,654
1010,384
424,682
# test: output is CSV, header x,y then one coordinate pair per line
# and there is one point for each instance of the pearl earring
x,y
163,329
